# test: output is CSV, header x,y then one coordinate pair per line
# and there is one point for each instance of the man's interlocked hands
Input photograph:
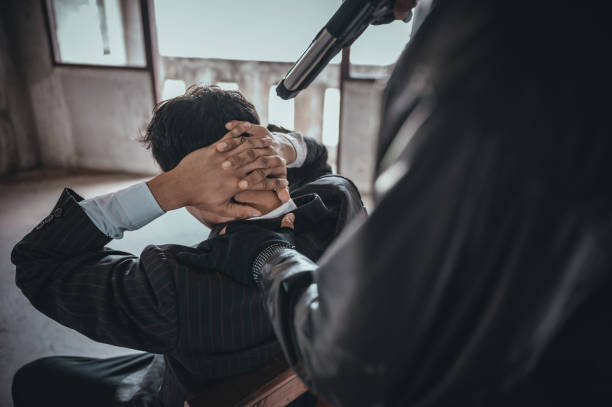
x,y
207,179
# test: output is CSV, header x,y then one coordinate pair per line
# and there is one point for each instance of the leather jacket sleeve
x,y
492,228
369,306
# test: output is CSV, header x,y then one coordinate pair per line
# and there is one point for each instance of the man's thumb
x,y
238,211
287,221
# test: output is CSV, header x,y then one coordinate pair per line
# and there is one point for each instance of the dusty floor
x,y
26,334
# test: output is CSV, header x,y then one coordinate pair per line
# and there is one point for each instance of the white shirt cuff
x,y
127,209
301,150
287,207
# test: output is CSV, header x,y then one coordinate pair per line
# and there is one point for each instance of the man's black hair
x,y
194,120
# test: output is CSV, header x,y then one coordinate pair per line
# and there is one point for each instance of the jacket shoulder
x,y
337,192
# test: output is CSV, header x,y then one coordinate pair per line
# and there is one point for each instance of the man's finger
x,y
266,201
259,175
238,145
250,128
266,161
241,159
251,196
239,211
239,129
233,123
288,220
259,143
268,184
256,130
283,194
231,139
248,153
229,144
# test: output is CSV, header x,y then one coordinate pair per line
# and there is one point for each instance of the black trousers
x,y
74,381
71,381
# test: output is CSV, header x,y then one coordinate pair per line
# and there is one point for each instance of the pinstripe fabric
x,y
110,296
206,326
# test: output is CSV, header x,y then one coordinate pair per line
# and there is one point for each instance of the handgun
x,y
343,28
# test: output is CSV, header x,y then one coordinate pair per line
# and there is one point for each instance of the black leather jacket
x,y
482,277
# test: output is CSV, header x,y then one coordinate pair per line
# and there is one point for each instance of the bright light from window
x,y
172,88
331,117
381,44
271,30
228,85
280,112
79,35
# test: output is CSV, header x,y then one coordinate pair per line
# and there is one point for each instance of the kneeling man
x,y
197,324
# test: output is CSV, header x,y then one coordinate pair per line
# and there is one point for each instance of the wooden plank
x,y
278,392
273,385
322,403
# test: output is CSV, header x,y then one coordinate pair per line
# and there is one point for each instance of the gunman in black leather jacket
x,y
483,275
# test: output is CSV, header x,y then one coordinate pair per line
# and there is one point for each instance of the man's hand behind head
x,y
206,179
201,182
275,155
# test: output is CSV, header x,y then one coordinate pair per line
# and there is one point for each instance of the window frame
x,y
50,21
149,28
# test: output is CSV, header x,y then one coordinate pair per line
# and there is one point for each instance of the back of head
x,y
194,120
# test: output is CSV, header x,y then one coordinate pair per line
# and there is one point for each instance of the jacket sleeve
x,y
366,308
448,291
67,273
315,164
494,227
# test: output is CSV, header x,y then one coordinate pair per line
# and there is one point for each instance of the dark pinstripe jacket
x,y
205,325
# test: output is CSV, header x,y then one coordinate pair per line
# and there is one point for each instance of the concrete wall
x,y
67,117
18,141
105,111
254,79
84,117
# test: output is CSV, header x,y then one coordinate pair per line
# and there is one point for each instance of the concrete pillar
x,y
358,127
309,111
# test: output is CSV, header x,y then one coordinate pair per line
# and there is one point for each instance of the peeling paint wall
x,y
69,117
107,111
84,117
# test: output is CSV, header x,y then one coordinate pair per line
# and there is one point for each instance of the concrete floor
x,y
26,334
